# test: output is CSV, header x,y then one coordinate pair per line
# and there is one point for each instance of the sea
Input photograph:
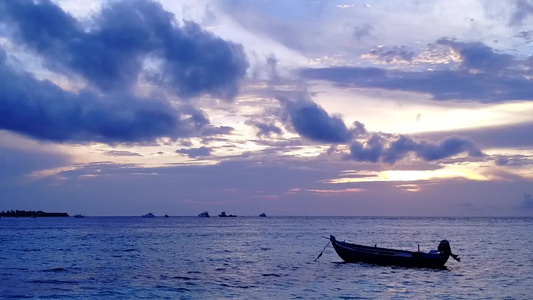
x,y
258,258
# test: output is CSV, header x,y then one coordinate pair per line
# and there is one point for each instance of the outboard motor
x,y
445,248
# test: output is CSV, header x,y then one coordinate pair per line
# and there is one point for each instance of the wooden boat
x,y
382,256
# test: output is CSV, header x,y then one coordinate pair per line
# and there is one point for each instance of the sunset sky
x,y
315,107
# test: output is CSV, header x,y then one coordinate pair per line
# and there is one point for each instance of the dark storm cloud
x,y
110,54
43,110
311,121
483,75
376,149
195,152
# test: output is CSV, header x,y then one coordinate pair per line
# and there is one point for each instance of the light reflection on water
x,y
252,257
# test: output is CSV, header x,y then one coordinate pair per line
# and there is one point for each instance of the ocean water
x,y
258,258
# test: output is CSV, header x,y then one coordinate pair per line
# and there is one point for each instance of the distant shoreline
x,y
30,214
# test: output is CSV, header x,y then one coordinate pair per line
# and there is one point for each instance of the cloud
x,y
523,11
281,20
333,192
265,129
482,75
122,153
197,62
527,203
442,85
501,161
376,149
513,160
195,152
15,163
43,110
505,136
359,128
478,56
371,152
449,147
311,121
111,52
362,31
526,35
272,63
391,55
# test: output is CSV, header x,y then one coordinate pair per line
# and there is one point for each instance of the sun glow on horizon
x,y
449,172
387,111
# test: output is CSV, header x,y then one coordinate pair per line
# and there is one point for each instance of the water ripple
x,y
193,258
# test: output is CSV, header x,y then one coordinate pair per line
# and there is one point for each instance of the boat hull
x,y
382,256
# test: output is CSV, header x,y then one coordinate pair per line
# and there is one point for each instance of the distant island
x,y
30,214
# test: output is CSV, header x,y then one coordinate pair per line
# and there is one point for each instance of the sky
x,y
292,108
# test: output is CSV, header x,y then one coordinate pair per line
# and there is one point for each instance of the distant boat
x,y
263,215
223,215
382,256
205,214
166,216
148,215
79,216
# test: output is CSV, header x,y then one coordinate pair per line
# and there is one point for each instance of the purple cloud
x,y
479,56
523,10
362,31
376,149
265,129
371,152
389,55
500,77
110,55
42,110
311,121
195,152
514,135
